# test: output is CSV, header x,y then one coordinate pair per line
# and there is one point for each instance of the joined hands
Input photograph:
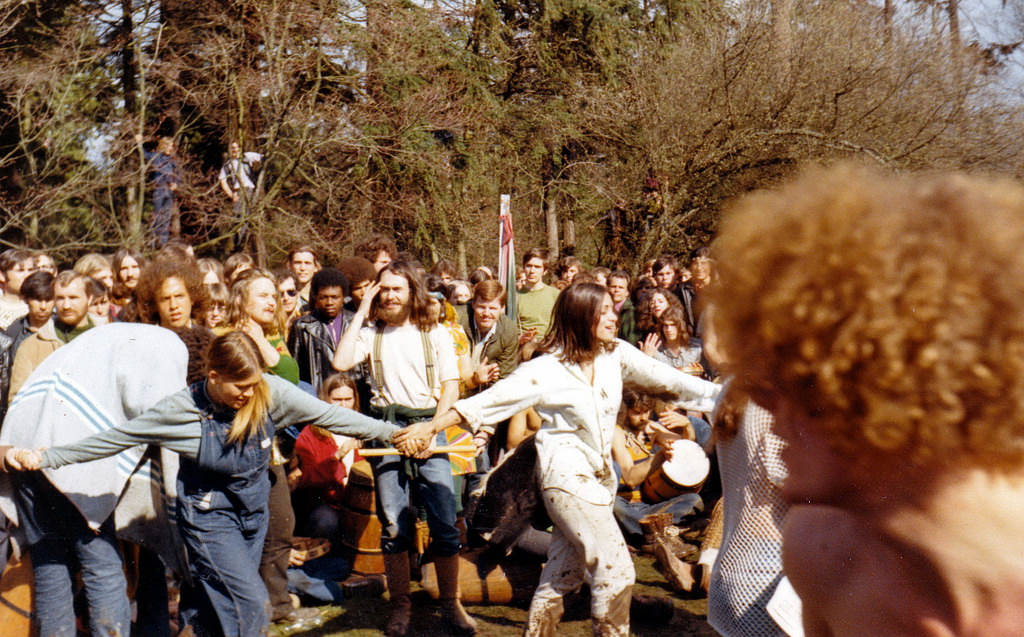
x,y
23,459
416,440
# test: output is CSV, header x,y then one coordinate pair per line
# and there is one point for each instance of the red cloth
x,y
316,459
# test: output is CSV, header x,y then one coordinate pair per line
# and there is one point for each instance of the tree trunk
x,y
782,42
461,257
134,206
955,44
551,217
129,76
887,11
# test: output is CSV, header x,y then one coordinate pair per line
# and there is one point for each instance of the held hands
x,y
23,459
428,450
345,444
480,441
415,440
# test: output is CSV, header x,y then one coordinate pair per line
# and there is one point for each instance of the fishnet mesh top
x,y
749,564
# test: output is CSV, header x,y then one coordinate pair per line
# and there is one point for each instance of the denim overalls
x,y
222,516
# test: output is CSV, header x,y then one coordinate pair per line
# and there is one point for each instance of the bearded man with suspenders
x,y
414,374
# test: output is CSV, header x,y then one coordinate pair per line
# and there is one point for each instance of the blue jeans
x,y
102,575
163,207
475,479
324,521
629,514
702,430
319,578
434,492
224,551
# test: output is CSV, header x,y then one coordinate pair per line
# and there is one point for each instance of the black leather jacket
x,y
310,343
6,364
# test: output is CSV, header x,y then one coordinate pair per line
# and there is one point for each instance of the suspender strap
x,y
375,368
428,358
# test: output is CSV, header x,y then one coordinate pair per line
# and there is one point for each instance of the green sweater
x,y
535,309
627,323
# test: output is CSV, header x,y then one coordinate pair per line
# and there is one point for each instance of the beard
x,y
393,315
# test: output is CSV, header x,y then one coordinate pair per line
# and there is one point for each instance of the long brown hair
x,y
676,316
573,319
329,384
120,294
645,319
419,313
235,357
240,291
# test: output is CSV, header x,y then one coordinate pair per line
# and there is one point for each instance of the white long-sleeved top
x,y
100,380
578,418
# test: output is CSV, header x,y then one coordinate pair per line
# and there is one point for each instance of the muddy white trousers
x,y
586,546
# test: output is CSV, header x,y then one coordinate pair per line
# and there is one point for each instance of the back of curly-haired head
x,y
888,309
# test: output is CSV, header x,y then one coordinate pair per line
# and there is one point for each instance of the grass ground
x,y
366,617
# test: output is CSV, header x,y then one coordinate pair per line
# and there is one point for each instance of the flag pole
x,y
507,255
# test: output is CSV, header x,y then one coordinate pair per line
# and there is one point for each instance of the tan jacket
x,y
33,351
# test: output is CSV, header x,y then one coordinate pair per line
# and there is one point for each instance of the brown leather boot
x,y
658,526
448,584
616,622
544,617
397,568
677,572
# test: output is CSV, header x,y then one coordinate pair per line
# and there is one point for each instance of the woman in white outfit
x,y
576,387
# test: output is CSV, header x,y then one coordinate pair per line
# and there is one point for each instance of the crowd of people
x,y
376,333
847,363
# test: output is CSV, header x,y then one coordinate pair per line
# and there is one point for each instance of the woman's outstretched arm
x,y
173,424
657,378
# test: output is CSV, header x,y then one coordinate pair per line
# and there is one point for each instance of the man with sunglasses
x,y
315,335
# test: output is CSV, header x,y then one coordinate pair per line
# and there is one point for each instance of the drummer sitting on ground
x,y
633,449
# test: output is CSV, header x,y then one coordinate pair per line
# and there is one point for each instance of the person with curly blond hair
x,y
880,318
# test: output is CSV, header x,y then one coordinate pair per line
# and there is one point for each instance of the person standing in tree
x,y
237,180
165,177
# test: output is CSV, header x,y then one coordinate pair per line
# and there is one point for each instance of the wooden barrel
x,y
16,599
512,580
360,528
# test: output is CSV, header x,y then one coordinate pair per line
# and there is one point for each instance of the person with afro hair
x,y
315,335
880,318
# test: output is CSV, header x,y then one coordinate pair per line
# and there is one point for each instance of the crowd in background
x,y
868,326
297,315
